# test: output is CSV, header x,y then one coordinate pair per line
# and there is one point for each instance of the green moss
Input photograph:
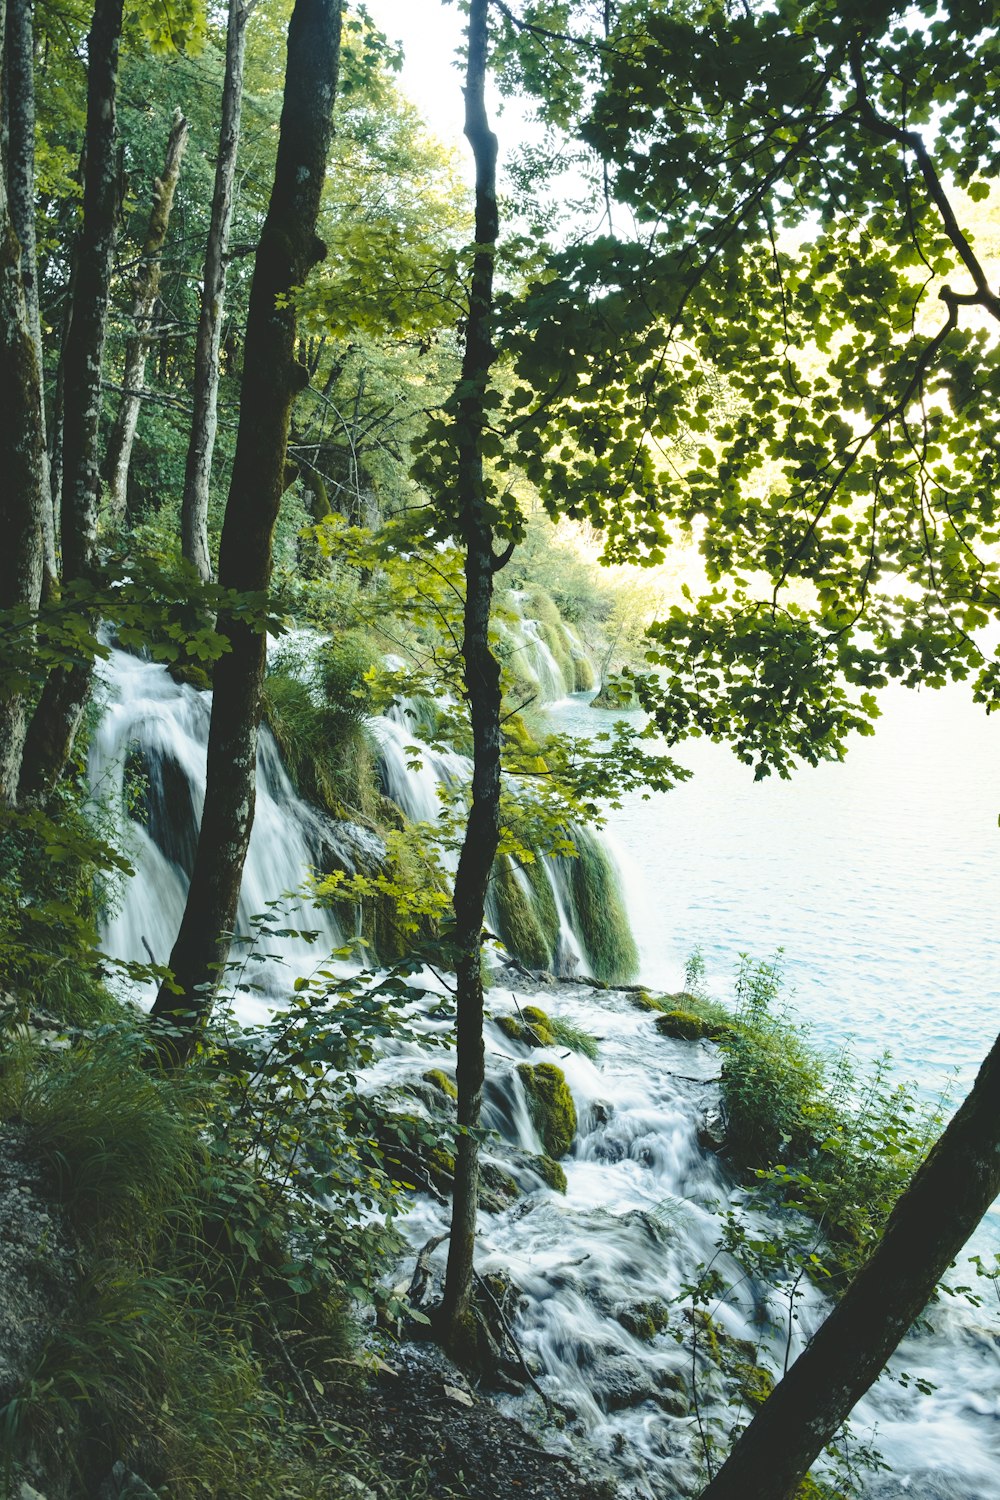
x,y
599,911
583,675
550,1104
538,1027
689,1027
527,925
442,1081
643,1000
510,1026
755,1382
550,1172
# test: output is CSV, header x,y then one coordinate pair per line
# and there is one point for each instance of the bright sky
x,y
431,33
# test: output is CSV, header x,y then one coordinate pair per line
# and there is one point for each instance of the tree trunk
x,y
204,423
948,1196
482,686
19,58
271,378
60,708
146,287
21,464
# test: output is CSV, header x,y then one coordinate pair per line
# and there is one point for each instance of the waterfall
x,y
599,1274
147,757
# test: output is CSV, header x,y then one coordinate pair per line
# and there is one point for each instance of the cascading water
x,y
603,1316
155,733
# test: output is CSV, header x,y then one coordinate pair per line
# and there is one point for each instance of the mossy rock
x,y
510,1026
643,1319
442,1081
498,1188
583,675
599,911
538,1030
526,921
550,1172
550,1104
615,701
686,1026
191,673
643,1000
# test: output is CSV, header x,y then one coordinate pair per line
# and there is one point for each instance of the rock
x,y
498,1188
621,1381
442,1081
712,1130
550,1172
643,1319
123,1484
550,1104
461,1398
688,1027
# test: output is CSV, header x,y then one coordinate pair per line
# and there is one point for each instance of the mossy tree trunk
x,y
947,1198
204,423
64,696
145,290
272,376
22,447
482,687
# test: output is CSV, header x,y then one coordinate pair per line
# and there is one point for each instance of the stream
x,y
866,925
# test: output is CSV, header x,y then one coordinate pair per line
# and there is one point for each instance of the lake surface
x,y
878,876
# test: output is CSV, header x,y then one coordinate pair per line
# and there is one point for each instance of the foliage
x,y
834,1145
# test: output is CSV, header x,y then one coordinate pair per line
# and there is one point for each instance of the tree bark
x,y
19,59
146,288
271,378
204,423
948,1196
64,696
482,686
22,448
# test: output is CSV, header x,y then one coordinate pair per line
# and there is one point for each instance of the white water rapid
x,y
645,1200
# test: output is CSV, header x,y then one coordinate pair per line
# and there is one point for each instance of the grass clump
x,y
565,1034
317,709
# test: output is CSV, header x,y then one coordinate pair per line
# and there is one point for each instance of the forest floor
x,y
422,1417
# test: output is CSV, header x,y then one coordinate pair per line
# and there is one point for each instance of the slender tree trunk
x,y
482,686
948,1196
22,448
204,424
60,708
19,56
146,288
271,378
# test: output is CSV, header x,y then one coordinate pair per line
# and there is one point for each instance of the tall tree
x,y
272,376
145,290
19,111
64,696
22,447
204,422
476,530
